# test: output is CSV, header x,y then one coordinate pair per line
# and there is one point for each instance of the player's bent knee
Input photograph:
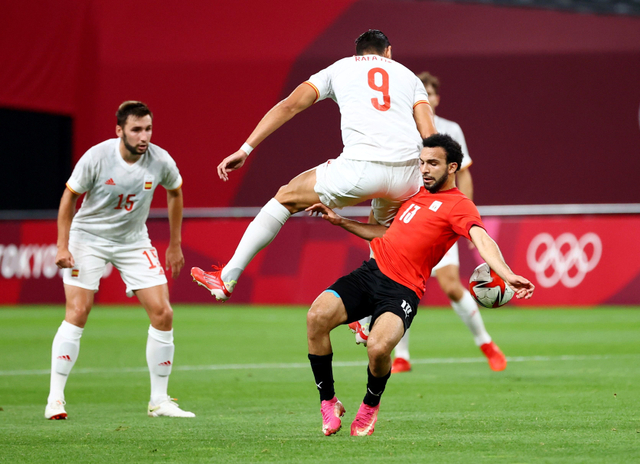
x,y
317,318
77,314
167,316
162,317
321,319
454,292
327,311
283,191
288,199
285,194
378,351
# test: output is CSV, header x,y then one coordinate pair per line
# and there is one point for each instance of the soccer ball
x,y
488,288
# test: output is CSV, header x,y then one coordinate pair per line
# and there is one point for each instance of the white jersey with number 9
x,y
376,97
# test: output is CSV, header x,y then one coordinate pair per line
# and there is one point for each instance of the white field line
x,y
226,367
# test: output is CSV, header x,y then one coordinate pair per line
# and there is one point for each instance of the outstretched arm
x,y
465,182
299,100
174,259
65,216
493,257
365,231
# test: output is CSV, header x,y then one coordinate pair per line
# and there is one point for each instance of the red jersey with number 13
x,y
427,225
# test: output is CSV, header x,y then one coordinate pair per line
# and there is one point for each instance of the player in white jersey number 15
x,y
385,113
119,177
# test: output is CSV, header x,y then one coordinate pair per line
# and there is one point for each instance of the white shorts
x,y
346,182
451,257
138,264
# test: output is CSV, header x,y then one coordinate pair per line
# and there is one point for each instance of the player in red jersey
x,y
389,286
447,271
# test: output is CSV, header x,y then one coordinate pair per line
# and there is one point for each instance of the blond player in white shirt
x,y
118,178
447,271
385,113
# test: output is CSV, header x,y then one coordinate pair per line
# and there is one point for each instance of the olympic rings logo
x,y
562,255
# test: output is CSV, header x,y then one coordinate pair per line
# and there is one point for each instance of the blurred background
x,y
547,94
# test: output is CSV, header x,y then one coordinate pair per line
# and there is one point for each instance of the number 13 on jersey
x,y
409,213
383,77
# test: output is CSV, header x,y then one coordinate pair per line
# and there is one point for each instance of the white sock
x,y
64,353
160,349
468,311
260,233
402,348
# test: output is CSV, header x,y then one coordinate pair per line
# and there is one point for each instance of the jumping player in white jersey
x,y
119,177
385,113
447,271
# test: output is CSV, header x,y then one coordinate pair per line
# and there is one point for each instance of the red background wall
x,y
543,97
583,262
549,102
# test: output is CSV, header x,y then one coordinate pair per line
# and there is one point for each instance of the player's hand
x,y
231,163
521,286
327,213
174,260
64,258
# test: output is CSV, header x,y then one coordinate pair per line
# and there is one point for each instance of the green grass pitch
x,y
569,394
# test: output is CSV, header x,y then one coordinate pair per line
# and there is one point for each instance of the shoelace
x,y
217,267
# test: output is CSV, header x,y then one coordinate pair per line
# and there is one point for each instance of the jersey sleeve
x,y
464,215
459,137
172,179
420,94
321,83
84,175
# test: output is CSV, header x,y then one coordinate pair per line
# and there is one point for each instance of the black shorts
x,y
368,292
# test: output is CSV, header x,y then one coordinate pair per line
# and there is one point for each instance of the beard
x,y
133,150
438,183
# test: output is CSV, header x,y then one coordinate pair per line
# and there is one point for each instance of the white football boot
x,y
168,408
55,410
361,330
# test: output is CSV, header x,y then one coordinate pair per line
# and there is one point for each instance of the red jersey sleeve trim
x,y
315,89
73,191
420,102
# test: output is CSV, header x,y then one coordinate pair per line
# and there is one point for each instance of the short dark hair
x,y
450,147
372,41
430,79
131,108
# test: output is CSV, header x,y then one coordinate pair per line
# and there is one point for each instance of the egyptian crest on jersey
x,y
435,205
